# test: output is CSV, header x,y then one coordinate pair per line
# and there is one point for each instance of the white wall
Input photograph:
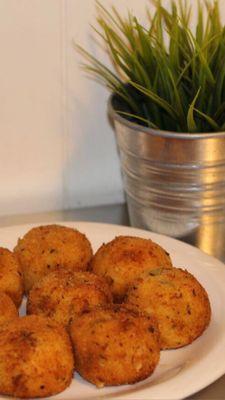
x,y
91,167
57,149
31,152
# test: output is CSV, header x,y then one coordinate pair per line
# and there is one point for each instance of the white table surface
x,y
114,214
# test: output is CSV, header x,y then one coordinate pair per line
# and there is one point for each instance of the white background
x,y
57,149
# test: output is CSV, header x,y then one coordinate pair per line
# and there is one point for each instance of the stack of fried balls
x,y
105,316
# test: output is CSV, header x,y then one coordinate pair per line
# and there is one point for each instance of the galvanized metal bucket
x,y
174,182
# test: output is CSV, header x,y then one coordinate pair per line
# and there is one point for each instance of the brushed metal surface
x,y
174,182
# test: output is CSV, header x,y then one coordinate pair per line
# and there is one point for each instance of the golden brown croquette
x,y
62,295
8,310
10,276
115,346
36,358
125,259
178,301
45,248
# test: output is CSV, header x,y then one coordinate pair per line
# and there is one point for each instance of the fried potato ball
x,y
125,259
10,276
8,310
36,358
178,301
114,346
62,295
45,248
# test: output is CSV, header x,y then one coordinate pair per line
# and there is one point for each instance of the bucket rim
x,y
162,133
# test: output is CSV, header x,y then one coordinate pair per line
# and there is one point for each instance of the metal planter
x,y
174,182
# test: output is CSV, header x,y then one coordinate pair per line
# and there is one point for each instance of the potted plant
x,y
168,108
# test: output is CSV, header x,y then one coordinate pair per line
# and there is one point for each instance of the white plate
x,y
181,372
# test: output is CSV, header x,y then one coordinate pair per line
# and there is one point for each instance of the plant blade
x,y
192,127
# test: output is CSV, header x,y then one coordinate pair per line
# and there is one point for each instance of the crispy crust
x,y
36,358
8,310
115,346
62,295
45,248
178,301
10,276
125,259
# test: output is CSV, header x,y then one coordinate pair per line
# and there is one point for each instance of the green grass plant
x,y
167,74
